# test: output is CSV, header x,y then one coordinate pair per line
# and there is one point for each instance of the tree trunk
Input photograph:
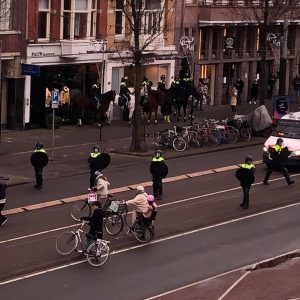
x,y
138,143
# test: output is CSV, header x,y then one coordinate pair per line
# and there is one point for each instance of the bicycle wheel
x,y
231,137
113,224
245,134
80,209
142,233
97,254
66,243
179,144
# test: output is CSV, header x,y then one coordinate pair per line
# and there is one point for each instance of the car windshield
x,y
287,129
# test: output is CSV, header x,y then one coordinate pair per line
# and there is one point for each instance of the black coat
x,y
39,160
96,223
2,189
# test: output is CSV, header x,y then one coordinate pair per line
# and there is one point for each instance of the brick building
x,y
12,38
213,22
66,41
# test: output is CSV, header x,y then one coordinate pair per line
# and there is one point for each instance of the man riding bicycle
x,y
139,202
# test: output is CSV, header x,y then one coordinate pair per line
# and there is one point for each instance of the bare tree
x,y
146,21
264,13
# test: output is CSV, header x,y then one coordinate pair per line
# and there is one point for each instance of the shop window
x,y
44,19
5,15
79,19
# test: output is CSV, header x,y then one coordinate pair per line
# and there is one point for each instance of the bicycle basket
x,y
114,206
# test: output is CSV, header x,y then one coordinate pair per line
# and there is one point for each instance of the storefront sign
x,y
281,106
31,70
229,43
42,54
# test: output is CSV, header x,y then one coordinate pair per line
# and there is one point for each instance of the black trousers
x,y
2,218
246,191
282,170
92,178
38,176
157,187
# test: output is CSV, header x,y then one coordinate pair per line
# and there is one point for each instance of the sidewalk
x,y
73,145
268,282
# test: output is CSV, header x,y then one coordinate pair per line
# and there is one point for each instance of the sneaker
x,y
266,183
3,222
291,182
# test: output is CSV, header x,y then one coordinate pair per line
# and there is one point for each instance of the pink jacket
x,y
148,212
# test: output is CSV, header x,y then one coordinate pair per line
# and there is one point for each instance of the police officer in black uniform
x,y
39,159
162,83
124,92
93,161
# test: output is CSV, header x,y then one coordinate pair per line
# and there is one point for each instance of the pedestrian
x,y
271,85
233,99
159,170
200,92
277,157
246,177
254,92
296,87
93,161
95,222
239,84
3,219
102,185
39,159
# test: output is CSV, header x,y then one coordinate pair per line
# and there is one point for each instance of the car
x,y
287,128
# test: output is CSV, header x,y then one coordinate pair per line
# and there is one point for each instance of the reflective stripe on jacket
x,y
156,159
248,166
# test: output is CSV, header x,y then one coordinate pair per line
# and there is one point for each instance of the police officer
x,y
146,90
93,161
276,162
247,181
162,83
157,177
124,91
96,93
39,159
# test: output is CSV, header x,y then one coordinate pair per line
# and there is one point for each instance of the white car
x,y
287,128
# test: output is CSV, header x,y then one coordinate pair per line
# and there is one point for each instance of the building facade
x,y
228,47
12,48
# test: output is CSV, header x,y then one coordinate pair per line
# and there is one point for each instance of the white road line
x,y
161,205
251,266
160,241
233,285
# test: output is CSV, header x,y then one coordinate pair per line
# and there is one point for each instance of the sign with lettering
x,y
30,70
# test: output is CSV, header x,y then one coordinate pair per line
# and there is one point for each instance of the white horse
x,y
131,106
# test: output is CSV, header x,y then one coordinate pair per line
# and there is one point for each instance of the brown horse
x,y
157,98
82,103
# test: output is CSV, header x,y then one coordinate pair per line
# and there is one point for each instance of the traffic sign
x,y
55,98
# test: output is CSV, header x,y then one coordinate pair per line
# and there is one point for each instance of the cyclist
x,y
139,202
95,222
150,212
102,185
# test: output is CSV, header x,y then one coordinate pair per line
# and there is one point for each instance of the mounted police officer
x,y
93,161
39,159
146,90
277,156
124,92
246,177
162,83
96,93
159,170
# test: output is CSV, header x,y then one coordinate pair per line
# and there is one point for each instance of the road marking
x,y
163,205
163,240
251,266
233,285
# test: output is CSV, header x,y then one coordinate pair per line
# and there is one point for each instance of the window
x,y
79,19
5,15
153,16
119,24
44,19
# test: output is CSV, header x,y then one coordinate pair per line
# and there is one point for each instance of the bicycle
x,y
142,229
82,208
97,252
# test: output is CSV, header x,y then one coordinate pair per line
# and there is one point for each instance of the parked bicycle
x,y
97,252
242,128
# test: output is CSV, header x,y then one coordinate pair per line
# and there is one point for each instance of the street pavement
x,y
168,263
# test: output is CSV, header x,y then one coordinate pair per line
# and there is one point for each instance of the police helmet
x,y
248,159
176,77
162,77
158,153
124,79
145,78
96,149
186,75
279,140
39,145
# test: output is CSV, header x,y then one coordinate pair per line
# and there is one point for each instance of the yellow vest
x,y
278,148
94,155
156,159
40,150
248,166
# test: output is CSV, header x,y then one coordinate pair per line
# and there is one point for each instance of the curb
x,y
121,189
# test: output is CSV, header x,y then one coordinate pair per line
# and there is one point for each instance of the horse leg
x,y
155,121
80,114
